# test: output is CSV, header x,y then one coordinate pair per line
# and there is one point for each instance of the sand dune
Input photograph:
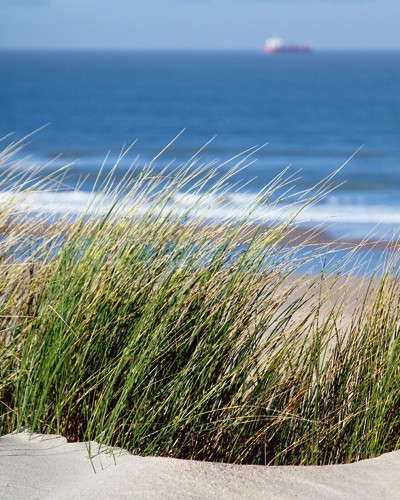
x,y
49,467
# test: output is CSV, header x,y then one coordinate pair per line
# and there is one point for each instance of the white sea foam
x,y
357,213
234,205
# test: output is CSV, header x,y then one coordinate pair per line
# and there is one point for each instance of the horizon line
x,y
172,50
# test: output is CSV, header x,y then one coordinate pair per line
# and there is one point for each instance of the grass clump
x,y
143,325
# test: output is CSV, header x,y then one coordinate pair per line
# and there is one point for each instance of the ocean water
x,y
310,111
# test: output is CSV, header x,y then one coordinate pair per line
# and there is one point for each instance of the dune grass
x,y
139,324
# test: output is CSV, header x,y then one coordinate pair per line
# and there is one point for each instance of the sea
x,y
313,113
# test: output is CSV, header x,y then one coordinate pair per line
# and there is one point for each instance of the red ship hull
x,y
286,49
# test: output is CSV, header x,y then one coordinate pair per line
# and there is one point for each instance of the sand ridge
x,y
37,466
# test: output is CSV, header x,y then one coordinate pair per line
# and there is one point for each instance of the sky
x,y
198,24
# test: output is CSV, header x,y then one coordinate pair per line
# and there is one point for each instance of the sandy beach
x,y
47,467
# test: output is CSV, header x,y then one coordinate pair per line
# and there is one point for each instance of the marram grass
x,y
140,324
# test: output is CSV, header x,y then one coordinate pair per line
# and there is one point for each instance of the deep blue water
x,y
313,110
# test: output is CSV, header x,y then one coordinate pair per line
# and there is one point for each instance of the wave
x,y
232,206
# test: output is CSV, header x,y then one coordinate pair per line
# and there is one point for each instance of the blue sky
x,y
198,24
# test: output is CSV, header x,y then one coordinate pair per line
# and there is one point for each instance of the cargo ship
x,y
277,46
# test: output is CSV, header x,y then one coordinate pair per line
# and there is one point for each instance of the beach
x,y
49,467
